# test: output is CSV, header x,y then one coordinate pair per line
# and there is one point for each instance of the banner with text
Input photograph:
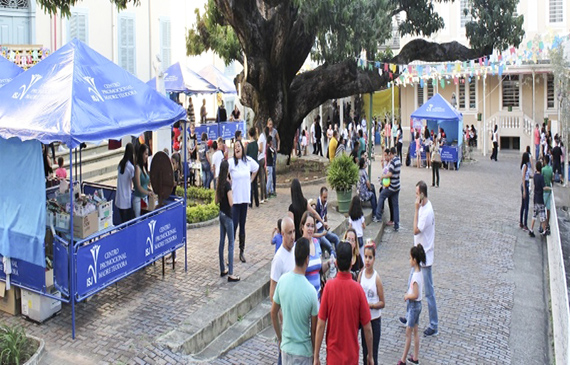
x,y
104,261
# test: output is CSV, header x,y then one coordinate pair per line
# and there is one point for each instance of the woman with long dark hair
x,y
224,198
243,170
126,172
141,179
400,137
495,139
300,205
525,177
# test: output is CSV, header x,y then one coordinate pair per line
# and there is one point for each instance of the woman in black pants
x,y
435,163
400,140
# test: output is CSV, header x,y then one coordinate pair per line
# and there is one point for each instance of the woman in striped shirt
x,y
315,264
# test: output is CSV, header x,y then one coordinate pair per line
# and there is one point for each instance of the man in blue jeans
x,y
329,240
393,191
424,233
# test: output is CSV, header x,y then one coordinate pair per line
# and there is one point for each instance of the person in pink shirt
x,y
536,141
60,173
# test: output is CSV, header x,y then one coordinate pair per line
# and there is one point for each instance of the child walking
x,y
357,222
414,298
277,237
539,210
372,286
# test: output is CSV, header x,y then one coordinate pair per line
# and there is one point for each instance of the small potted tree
x,y
341,176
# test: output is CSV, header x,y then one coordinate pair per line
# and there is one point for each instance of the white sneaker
x,y
261,201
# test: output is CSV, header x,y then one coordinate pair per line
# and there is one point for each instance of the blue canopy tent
x,y
8,70
77,95
439,113
181,79
218,79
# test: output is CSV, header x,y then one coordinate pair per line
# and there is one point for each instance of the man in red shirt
x,y
344,306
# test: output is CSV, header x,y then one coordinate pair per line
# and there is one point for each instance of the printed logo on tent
x,y
24,89
96,96
93,268
436,109
150,240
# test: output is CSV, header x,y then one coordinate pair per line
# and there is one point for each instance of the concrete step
x,y
90,150
98,165
245,328
209,322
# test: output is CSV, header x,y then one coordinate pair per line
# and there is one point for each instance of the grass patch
x,y
201,204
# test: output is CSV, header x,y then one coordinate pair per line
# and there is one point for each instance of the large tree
x,y
273,38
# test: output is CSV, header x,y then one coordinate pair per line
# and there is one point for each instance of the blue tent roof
x,y
8,70
77,95
180,79
437,108
218,79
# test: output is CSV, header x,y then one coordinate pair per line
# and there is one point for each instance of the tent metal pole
x,y
370,135
484,116
186,167
71,246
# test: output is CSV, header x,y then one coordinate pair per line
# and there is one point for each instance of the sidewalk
x,y
489,275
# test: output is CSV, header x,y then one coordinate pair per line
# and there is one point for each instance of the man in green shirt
x,y
297,299
547,174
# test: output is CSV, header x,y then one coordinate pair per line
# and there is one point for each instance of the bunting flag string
x,y
446,72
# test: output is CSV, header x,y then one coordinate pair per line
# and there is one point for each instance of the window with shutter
x,y
461,93
464,6
126,42
429,88
165,41
556,11
420,95
550,91
78,25
472,95
511,91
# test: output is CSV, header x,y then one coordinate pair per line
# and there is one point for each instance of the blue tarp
x,y
23,197
437,108
8,70
218,79
77,95
180,79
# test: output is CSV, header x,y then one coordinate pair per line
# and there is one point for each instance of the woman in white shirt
x,y
243,170
126,173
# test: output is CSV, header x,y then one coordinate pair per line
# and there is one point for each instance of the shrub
x,y
342,173
15,347
200,212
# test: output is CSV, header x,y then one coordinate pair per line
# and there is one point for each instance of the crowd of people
x,y
312,294
546,170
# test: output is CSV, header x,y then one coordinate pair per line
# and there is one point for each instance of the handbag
x,y
436,156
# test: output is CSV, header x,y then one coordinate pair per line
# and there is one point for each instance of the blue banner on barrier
x,y
449,153
116,255
210,129
228,129
25,274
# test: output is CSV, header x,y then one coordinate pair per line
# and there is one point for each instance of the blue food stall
x,y
73,96
438,113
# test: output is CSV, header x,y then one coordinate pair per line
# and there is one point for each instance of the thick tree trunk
x,y
276,44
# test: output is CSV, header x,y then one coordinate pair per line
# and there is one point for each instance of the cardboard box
x,y
49,278
62,221
105,209
38,307
152,203
83,226
10,300
105,223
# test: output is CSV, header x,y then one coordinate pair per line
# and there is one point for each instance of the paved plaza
x,y
488,276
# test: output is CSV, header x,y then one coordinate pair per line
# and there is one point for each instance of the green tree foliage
x,y
52,7
494,25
